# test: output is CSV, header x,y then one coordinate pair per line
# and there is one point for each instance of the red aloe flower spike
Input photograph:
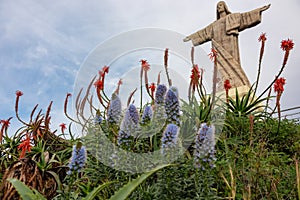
x,y
5,125
19,93
194,82
120,82
63,127
25,145
227,87
146,81
99,84
105,69
262,38
145,65
99,87
278,87
102,73
195,76
152,88
166,57
286,45
213,55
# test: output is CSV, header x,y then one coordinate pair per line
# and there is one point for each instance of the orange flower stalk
x,y
5,125
145,67
213,55
227,87
152,88
63,127
120,82
19,93
195,78
25,146
278,85
278,88
262,38
99,84
286,45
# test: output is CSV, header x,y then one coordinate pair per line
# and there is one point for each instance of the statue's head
x,y
222,7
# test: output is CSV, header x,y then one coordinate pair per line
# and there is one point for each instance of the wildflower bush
x,y
208,147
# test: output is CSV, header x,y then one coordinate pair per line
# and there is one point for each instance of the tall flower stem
x,y
286,45
279,113
262,38
214,83
268,99
213,56
276,77
144,67
141,88
166,66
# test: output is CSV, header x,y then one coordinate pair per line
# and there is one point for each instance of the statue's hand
x,y
186,39
265,8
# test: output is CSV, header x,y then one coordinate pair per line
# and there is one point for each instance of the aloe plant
x,y
245,105
25,192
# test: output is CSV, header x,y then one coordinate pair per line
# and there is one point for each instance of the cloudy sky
x,y
43,44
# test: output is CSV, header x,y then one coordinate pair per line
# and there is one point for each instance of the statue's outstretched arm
x,y
265,8
186,39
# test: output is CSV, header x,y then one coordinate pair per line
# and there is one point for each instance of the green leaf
x,y
56,177
95,191
25,192
127,189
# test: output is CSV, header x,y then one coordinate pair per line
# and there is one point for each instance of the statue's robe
x,y
224,36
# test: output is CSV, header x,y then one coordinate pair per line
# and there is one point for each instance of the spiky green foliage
x,y
247,104
25,192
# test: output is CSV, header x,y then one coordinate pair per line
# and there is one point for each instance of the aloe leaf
x,y
95,191
127,189
25,192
